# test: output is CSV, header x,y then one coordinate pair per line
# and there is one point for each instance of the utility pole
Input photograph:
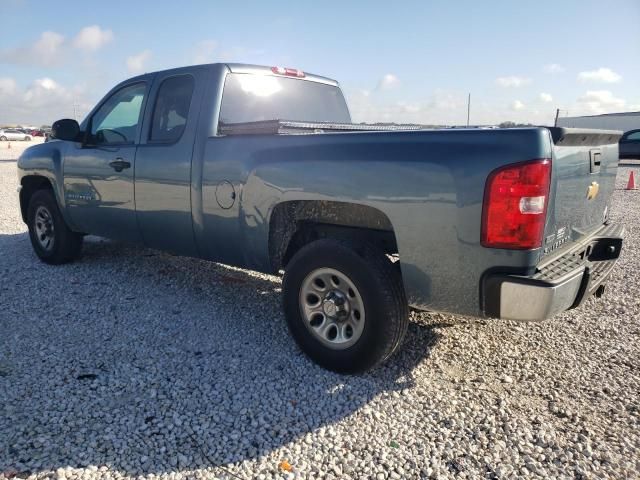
x,y
555,124
468,108
75,105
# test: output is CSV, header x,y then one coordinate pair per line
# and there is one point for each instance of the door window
x,y
171,109
117,120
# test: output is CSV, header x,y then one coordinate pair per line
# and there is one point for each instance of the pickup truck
x,y
261,168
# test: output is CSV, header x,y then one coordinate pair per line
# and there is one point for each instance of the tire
x,y
51,239
3,139
27,139
378,290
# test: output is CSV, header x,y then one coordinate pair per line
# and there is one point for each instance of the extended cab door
x,y
98,174
163,161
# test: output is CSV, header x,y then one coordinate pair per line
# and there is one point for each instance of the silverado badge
x,y
592,191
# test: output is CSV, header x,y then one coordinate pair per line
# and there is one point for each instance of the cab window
x,y
171,109
118,119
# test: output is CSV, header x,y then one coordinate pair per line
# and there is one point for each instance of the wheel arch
x,y
295,223
29,185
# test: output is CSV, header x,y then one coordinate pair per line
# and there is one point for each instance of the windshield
x,y
251,98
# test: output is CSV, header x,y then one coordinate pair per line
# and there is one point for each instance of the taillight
x,y
290,72
515,205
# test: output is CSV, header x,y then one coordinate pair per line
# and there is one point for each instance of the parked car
x,y
630,145
12,134
261,168
37,133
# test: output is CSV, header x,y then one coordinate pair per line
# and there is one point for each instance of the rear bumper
x,y
557,285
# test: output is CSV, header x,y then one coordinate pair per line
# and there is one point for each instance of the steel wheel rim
x,y
44,228
332,308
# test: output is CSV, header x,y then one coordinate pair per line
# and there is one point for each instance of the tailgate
x,y
585,164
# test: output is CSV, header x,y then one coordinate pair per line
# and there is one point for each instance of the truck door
x,y
163,162
98,174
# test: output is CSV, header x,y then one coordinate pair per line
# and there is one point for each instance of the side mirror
x,y
66,129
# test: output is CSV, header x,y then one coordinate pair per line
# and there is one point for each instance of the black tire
x,y
66,245
27,139
3,139
380,287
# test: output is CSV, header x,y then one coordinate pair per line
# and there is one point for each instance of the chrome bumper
x,y
557,285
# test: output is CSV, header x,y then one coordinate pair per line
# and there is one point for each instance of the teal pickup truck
x,y
261,168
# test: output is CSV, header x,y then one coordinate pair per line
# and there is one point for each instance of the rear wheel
x,y
3,139
51,238
27,139
345,306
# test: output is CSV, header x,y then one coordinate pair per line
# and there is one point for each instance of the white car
x,y
13,134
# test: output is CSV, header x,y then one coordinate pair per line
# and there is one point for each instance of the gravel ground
x,y
133,363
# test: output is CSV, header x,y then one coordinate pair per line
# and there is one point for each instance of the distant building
x,y
608,121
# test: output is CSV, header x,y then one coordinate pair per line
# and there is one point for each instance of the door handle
x,y
119,164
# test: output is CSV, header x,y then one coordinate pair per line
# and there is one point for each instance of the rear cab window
x,y
171,109
253,97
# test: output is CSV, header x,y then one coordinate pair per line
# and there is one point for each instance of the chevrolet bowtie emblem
x,y
592,191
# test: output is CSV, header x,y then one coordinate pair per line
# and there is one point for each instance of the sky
x,y
403,61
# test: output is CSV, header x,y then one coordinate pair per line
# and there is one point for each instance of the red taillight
x,y
290,72
515,205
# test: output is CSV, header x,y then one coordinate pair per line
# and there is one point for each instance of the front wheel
x,y
51,238
3,139
27,139
345,306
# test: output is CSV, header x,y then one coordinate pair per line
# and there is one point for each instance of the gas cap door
x,y
225,194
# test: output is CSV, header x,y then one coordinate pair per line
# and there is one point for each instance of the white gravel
x,y
133,363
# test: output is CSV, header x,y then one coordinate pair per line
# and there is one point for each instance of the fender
x,y
46,161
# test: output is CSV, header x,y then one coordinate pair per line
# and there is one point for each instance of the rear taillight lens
x,y
515,205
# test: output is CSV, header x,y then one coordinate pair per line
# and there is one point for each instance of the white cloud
x,y
8,86
49,44
442,107
600,101
46,83
553,68
41,102
52,49
512,81
602,75
388,82
42,88
407,107
546,97
137,63
92,38
46,51
204,51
